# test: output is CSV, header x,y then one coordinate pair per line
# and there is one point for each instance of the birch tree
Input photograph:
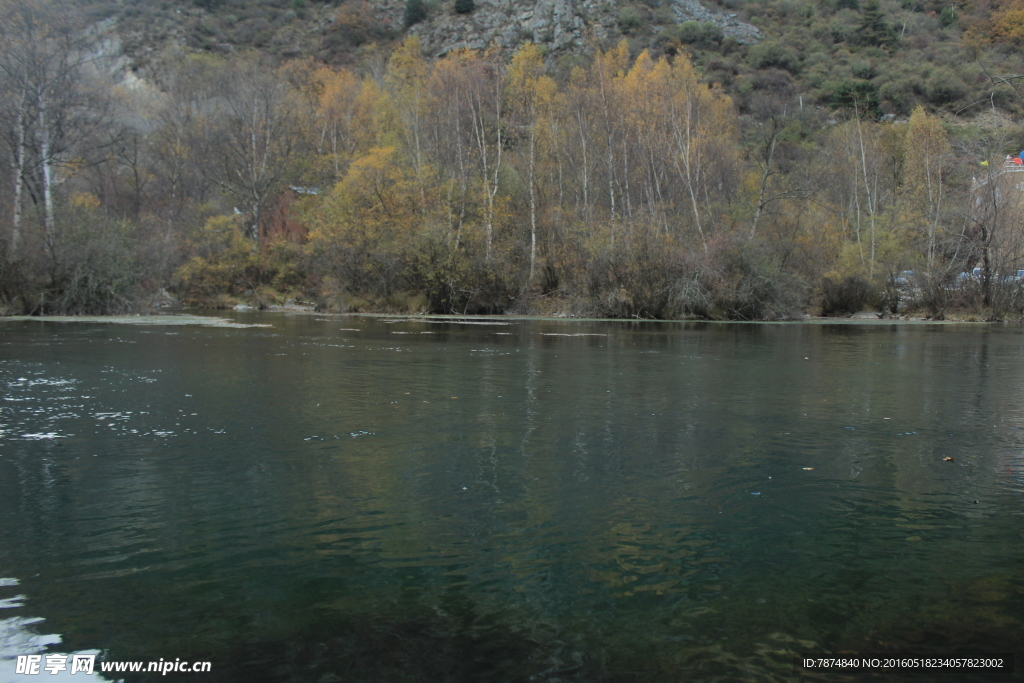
x,y
531,94
43,49
255,139
927,149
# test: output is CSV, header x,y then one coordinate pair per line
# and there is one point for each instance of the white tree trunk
x,y
47,161
18,167
533,202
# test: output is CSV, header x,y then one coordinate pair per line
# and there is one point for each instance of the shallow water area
x,y
325,498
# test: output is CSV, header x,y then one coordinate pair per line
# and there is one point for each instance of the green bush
x,y
864,69
840,29
944,86
441,273
702,34
223,262
633,280
754,286
464,6
774,54
844,296
901,95
88,265
415,12
458,279
219,255
100,273
630,19
794,9
873,28
858,96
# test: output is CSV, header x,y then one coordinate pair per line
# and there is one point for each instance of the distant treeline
x,y
478,184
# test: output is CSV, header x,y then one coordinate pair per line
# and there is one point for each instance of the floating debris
x,y
576,334
947,459
178,319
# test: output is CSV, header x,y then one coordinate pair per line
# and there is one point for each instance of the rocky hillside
x,y
341,33
563,26
896,54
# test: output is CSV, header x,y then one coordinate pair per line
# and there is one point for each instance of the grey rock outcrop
x,y
691,10
562,25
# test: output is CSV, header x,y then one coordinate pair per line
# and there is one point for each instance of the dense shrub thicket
x,y
626,186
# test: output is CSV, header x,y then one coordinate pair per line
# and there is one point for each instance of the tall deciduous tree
x,y
184,121
43,52
256,137
773,116
532,94
486,100
406,81
926,154
703,135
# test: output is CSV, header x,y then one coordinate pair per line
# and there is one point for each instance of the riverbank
x,y
216,319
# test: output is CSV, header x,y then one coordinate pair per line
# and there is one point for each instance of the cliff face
x,y
562,25
335,33
691,10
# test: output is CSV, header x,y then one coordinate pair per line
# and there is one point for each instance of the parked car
x,y
965,278
1015,278
977,275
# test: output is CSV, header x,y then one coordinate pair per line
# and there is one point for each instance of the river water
x,y
377,499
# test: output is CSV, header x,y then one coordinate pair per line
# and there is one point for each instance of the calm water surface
x,y
359,499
